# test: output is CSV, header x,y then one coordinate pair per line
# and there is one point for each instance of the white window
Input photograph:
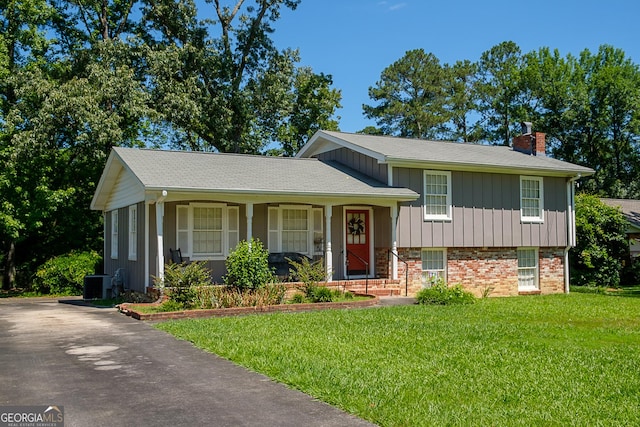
x,y
114,234
437,195
133,232
434,265
206,231
295,229
531,199
527,268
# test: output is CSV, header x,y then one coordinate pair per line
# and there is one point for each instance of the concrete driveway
x,y
107,369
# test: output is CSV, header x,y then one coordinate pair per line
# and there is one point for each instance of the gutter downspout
x,y
571,227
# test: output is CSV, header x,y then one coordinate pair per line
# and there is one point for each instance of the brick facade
x,y
484,270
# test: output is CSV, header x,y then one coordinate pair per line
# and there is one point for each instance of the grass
x,y
545,360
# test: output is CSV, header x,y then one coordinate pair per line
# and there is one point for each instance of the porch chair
x,y
176,256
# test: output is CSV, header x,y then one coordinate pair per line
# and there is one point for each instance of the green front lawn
x,y
545,360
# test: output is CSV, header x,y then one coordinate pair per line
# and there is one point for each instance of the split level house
x,y
493,218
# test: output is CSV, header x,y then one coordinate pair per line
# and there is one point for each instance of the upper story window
x,y
437,195
114,234
206,231
531,199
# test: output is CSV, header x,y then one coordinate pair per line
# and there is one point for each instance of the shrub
x,y
228,297
441,294
170,305
322,294
309,274
601,243
181,280
297,298
64,275
248,266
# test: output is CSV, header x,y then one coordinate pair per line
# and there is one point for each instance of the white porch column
x,y
328,257
146,245
394,243
160,233
249,221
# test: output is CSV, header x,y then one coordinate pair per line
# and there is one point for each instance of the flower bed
x,y
134,311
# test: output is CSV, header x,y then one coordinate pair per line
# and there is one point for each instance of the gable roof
x,y
189,171
441,154
630,209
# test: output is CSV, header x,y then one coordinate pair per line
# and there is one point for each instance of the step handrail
x,y
406,270
366,266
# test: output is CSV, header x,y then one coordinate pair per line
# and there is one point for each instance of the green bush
x,y
308,274
601,243
298,298
171,305
181,281
64,275
248,266
322,294
441,294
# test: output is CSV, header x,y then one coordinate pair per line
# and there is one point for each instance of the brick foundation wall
x,y
487,270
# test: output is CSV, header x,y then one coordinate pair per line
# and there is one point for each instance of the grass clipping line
x,y
545,360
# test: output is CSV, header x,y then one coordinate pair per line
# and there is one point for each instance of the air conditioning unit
x,y
97,287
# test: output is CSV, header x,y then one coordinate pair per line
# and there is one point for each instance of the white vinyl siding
x,y
114,234
133,232
437,195
206,231
527,269
295,229
434,265
531,199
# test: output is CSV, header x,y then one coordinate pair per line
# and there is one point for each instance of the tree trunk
x,y
9,274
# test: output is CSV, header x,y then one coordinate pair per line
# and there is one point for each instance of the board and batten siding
x,y
357,161
134,269
485,213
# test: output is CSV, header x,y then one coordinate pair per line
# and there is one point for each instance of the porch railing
x,y
366,266
406,269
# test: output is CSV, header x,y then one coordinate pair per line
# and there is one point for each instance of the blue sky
x,y
354,40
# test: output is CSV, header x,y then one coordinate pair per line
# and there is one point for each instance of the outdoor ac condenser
x,y
97,287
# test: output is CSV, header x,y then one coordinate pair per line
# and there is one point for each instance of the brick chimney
x,y
529,142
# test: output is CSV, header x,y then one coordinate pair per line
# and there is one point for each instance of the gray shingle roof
x,y
452,154
232,173
630,209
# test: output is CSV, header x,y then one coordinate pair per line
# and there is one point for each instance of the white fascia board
x,y
244,196
106,182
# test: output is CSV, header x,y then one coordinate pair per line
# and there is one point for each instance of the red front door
x,y
358,235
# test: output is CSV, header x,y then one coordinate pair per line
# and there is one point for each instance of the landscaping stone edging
x,y
238,311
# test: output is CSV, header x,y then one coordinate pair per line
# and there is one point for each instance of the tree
x,y
502,100
460,86
234,92
411,97
601,247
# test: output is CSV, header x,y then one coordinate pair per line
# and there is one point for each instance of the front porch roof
x,y
240,175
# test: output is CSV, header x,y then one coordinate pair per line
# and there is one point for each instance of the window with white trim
x,y
206,231
437,195
114,234
531,199
434,265
295,228
133,232
527,268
